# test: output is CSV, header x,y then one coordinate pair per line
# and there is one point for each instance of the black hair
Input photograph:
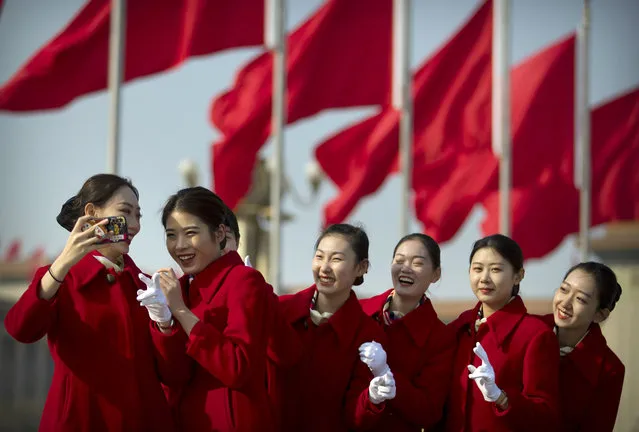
x,y
98,189
608,288
199,202
429,243
355,236
506,247
231,221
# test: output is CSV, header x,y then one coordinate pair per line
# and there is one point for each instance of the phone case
x,y
114,231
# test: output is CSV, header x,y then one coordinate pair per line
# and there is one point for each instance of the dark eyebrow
x,y
334,253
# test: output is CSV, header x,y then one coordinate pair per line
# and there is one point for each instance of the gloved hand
x,y
247,262
373,354
153,299
382,388
484,376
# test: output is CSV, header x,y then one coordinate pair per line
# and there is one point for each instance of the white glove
x,y
484,376
373,354
382,388
153,299
247,262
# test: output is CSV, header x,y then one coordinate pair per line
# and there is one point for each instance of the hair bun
x,y
616,297
68,213
358,280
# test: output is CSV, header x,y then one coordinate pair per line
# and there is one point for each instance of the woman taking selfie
x,y
590,375
505,372
421,348
105,375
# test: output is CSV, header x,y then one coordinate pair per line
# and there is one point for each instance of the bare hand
x,y
81,242
170,285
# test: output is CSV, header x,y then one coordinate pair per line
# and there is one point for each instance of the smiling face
x,y
124,202
412,270
575,304
492,278
335,265
191,243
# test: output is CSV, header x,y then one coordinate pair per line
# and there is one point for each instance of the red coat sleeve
x,y
284,345
31,318
232,354
359,412
535,407
174,366
602,413
422,401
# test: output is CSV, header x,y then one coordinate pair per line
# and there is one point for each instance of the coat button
x,y
110,278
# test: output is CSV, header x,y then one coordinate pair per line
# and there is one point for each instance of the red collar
x,y
209,280
345,322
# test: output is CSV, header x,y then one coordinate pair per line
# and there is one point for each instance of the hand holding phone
x,y
114,231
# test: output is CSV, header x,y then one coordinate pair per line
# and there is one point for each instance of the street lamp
x,y
190,173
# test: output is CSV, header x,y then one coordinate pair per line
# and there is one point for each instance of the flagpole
x,y
116,68
501,138
582,133
276,41
402,101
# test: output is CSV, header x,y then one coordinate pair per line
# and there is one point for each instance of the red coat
x,y
420,351
525,356
225,357
328,389
105,376
590,383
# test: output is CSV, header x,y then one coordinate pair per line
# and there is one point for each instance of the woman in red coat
x,y
284,347
223,319
420,347
105,375
506,368
590,374
331,389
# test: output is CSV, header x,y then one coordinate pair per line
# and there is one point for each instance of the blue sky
x,y
45,157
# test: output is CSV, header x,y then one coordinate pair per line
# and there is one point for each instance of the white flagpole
x,y
582,133
116,69
501,138
402,101
276,41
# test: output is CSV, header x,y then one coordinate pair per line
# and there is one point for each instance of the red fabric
x,y
12,254
226,388
328,389
447,90
322,57
159,36
284,350
104,377
590,384
525,356
420,350
551,206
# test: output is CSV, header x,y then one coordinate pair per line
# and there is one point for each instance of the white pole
x,y
402,101
582,133
116,69
276,41
501,108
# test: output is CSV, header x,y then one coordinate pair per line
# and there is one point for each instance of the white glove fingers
x,y
145,279
481,353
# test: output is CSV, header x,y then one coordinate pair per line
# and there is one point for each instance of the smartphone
x,y
114,231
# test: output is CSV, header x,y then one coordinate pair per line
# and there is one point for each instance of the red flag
x,y
159,35
448,91
543,214
12,253
542,89
339,57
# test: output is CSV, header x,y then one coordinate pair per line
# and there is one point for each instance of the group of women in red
x,y
217,350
